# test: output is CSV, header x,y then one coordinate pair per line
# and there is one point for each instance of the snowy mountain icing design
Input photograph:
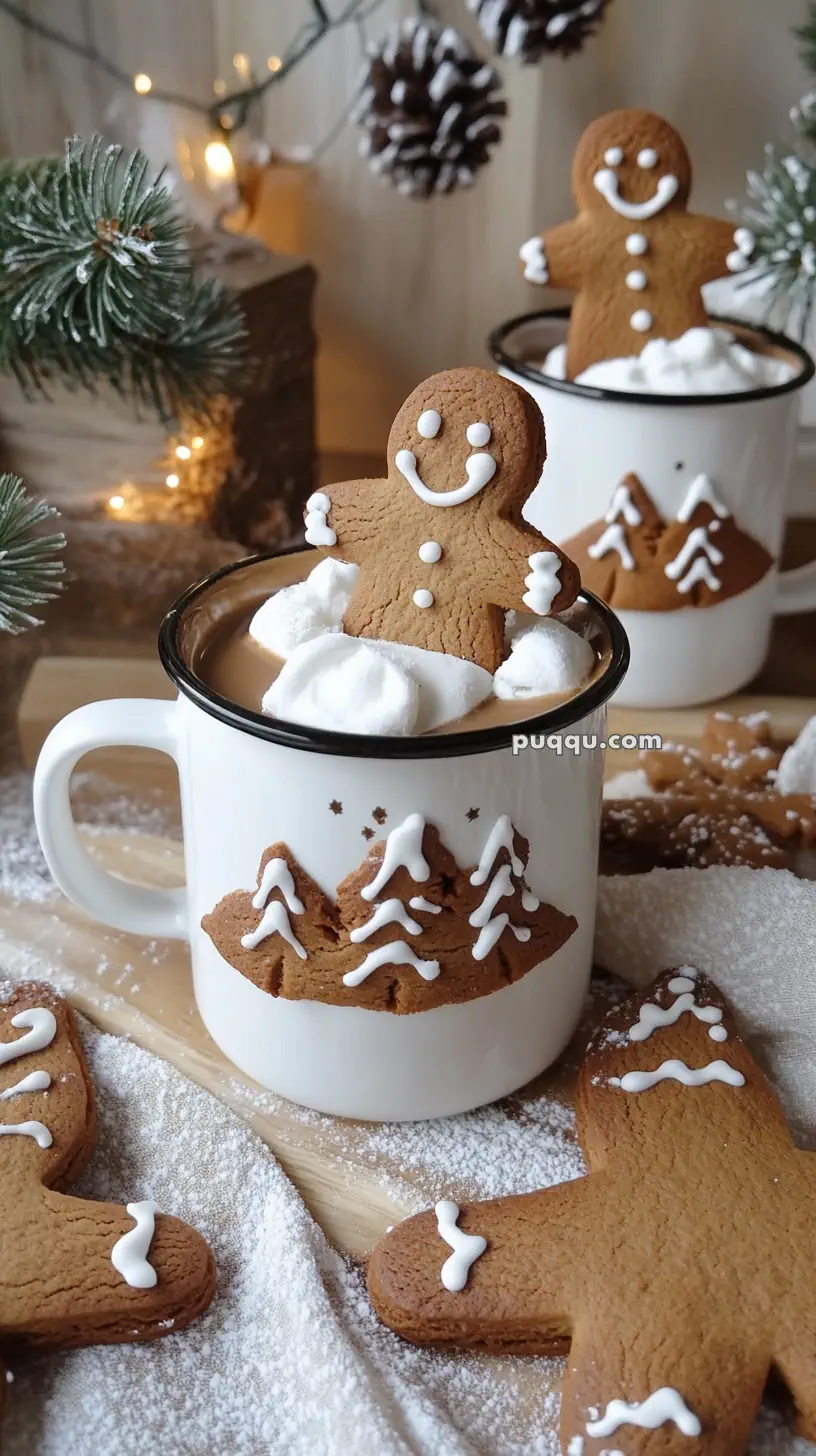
x,y
409,930
636,559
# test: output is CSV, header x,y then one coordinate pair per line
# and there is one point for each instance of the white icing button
x,y
478,435
647,158
641,320
430,552
636,280
429,424
613,156
636,244
423,598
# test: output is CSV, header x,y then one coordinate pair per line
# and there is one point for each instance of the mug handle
x,y
131,722
795,590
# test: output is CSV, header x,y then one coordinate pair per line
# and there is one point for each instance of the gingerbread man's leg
x,y
634,1383
495,1276
106,1274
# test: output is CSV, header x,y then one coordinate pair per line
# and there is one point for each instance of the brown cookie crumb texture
x,y
440,937
485,544
676,252
682,1262
58,1282
654,565
716,805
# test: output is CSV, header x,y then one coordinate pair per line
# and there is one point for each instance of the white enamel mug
x,y
248,781
743,442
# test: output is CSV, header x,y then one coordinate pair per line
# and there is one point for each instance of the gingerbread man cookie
x,y
441,545
679,1273
73,1272
635,258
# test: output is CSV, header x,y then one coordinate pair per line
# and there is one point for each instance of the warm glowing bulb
x,y
116,502
183,452
198,442
226,120
273,63
142,83
172,481
241,63
219,161
219,86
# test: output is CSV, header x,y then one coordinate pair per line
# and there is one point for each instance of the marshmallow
x,y
545,659
309,609
355,685
702,361
797,767
345,684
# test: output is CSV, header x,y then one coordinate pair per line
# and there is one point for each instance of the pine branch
x,y
806,36
781,214
30,568
97,282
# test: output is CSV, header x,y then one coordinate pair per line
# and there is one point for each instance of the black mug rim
x,y
500,355
359,745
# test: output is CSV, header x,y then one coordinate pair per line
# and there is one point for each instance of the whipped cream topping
x,y
701,361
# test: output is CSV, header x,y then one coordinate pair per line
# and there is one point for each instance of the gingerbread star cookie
x,y
635,258
678,1273
73,1272
441,545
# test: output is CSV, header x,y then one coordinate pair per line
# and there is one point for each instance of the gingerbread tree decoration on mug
x,y
410,930
441,544
635,257
638,560
73,1272
678,1273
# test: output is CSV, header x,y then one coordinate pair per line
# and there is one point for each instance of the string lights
x,y
193,466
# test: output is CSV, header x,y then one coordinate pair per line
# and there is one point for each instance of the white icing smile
x,y
479,470
606,183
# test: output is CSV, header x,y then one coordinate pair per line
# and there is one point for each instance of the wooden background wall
x,y
408,287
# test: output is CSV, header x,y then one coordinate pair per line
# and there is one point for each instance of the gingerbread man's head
x,y
464,434
631,163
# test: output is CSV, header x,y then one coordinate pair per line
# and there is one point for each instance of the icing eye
x,y
647,158
613,156
478,434
429,424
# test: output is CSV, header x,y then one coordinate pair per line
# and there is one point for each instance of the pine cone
x,y
427,109
525,30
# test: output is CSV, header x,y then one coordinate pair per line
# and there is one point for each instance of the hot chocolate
x,y
222,651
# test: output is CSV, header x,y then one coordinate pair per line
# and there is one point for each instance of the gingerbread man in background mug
x,y
635,258
441,545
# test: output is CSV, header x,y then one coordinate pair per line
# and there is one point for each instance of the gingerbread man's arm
x,y
341,519
713,248
559,255
92,1279
497,1276
531,574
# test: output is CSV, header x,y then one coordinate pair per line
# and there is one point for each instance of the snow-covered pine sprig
x,y
780,214
30,564
97,281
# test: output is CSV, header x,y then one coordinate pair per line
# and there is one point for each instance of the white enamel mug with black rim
x,y
743,442
248,781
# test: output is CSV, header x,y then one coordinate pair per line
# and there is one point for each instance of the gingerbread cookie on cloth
x,y
74,1272
678,1273
635,258
441,545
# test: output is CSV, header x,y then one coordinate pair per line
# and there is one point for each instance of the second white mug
x,y
743,443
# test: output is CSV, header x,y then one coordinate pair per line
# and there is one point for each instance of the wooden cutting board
x,y
142,988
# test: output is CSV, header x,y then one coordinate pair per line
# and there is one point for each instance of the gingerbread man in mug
x,y
634,256
441,545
